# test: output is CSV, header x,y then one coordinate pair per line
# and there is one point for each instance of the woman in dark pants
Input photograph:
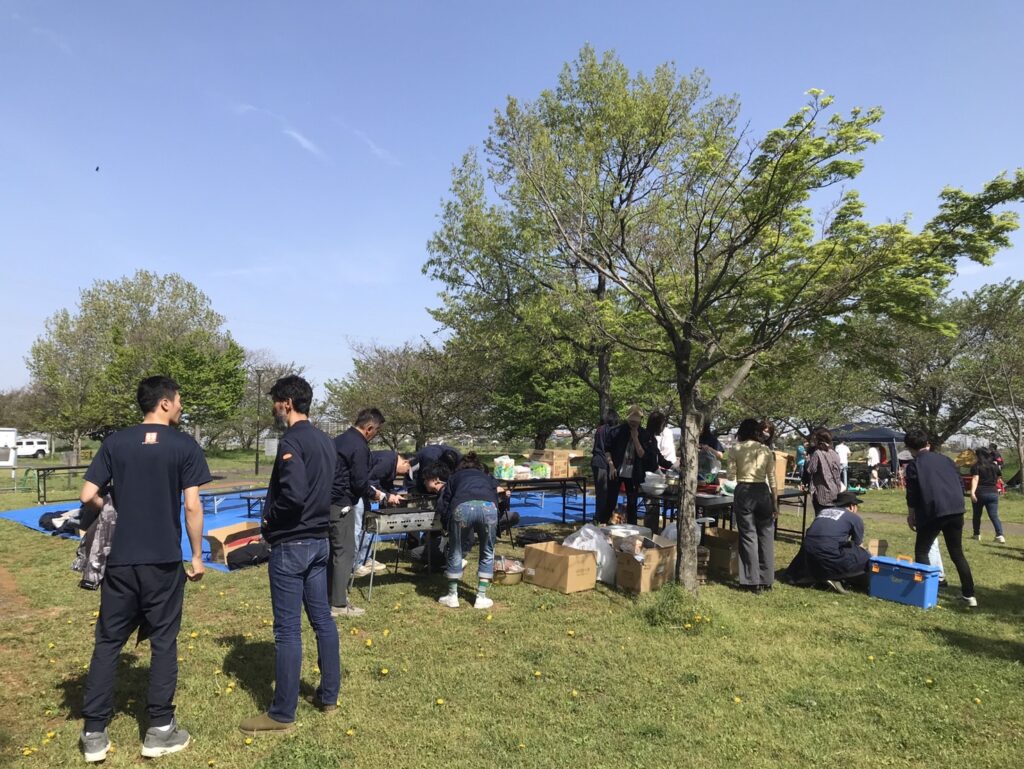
x,y
754,505
985,474
629,446
599,465
825,475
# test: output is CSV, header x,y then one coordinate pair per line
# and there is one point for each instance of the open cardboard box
x,y
225,539
556,567
654,571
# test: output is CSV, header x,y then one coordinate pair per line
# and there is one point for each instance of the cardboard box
x,y
659,562
724,548
556,567
227,538
781,461
557,459
878,546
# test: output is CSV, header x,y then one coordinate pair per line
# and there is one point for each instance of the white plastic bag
x,y
590,538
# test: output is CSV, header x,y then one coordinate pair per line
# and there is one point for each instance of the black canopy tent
x,y
862,432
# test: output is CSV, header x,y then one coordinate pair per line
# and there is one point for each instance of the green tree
x,y
87,365
651,183
419,388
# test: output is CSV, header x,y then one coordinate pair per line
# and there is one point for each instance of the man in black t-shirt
x,y
149,465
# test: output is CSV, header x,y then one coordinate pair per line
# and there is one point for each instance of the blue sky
x,y
290,158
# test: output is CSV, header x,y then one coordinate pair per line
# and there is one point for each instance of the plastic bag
x,y
590,538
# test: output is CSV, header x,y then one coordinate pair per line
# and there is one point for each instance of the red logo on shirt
x,y
150,439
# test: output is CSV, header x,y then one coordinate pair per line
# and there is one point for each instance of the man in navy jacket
x,y
351,485
935,503
295,524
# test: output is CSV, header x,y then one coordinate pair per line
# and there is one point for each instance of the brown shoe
x,y
264,724
323,707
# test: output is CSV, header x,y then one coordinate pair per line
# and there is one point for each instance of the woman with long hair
x,y
755,506
985,474
826,479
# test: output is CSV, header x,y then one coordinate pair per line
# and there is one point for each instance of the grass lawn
x,y
794,678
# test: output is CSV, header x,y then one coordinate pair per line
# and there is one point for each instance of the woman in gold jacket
x,y
754,505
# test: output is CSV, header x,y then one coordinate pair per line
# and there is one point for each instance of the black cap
x,y
847,498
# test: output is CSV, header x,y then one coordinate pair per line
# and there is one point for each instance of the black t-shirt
x,y
150,465
987,475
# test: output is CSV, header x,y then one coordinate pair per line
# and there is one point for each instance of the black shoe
x,y
943,583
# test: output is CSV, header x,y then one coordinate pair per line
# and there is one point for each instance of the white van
x,y
33,447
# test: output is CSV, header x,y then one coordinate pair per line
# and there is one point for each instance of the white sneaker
x,y
976,537
970,602
483,602
377,566
451,601
1001,539
347,611
362,571
464,562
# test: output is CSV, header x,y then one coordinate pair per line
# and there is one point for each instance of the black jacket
x,y
934,488
352,472
298,502
618,438
465,486
383,467
427,456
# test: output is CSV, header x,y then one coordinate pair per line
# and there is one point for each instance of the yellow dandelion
x,y
349,732
181,659
575,693
439,701
26,751
384,671
51,735
47,712
480,655
522,746
369,642
51,645
386,632
95,614
221,593
397,606
71,622
248,740
687,626
489,617
46,741
977,701
216,672
211,762
871,658
737,699
193,634
570,633
537,674
354,631
929,682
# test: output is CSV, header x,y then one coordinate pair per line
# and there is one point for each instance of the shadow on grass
x,y
251,663
997,648
130,690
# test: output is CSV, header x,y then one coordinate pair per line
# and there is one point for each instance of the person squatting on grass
x,y
935,503
296,517
755,506
467,499
150,465
985,475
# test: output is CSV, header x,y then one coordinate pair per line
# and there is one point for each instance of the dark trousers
x,y
342,535
601,513
952,529
752,505
149,596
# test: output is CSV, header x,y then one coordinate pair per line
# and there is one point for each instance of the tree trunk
x,y
686,537
604,380
540,441
575,444
1020,459
76,443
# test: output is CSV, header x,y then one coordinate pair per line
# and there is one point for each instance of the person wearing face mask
x,y
631,452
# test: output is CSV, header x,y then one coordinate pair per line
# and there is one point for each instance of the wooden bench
x,y
225,539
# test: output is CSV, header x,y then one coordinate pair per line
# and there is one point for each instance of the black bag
x,y
252,554
63,522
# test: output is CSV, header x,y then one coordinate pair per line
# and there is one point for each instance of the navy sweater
x,y
466,486
352,472
298,502
934,488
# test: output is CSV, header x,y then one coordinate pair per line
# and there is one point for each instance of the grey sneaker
x,y
836,585
347,611
94,745
969,601
160,742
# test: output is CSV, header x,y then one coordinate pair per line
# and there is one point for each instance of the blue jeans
x,y
298,578
481,517
990,502
363,552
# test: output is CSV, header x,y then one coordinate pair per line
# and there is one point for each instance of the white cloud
x,y
375,149
304,142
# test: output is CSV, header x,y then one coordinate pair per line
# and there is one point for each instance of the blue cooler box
x,y
903,581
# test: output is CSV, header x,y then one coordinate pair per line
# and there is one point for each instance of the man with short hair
x,y
844,462
351,484
935,503
295,525
149,465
